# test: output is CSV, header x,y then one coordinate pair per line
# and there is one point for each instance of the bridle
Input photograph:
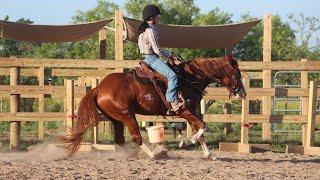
x,y
234,90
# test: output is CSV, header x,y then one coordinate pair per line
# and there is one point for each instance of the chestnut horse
x,y
120,96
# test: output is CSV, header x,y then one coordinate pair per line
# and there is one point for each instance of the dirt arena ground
x,y
41,163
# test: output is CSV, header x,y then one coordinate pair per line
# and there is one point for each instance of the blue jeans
x,y
161,67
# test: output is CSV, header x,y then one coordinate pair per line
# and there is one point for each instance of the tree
x,y
213,17
172,12
307,27
133,8
17,48
283,41
183,12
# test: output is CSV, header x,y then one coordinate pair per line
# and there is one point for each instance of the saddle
x,y
146,73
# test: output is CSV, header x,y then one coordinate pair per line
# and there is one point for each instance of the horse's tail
x,y
88,116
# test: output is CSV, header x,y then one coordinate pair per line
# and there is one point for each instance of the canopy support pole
x,y
1,31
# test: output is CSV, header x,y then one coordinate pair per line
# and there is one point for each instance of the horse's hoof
x,y
193,140
184,143
213,158
161,154
208,155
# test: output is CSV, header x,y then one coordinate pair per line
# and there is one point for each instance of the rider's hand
x,y
171,60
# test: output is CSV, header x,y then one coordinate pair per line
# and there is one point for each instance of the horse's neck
x,y
202,76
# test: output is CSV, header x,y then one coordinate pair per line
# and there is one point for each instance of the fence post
x,y
227,110
14,108
70,103
65,98
102,43
245,112
103,47
189,130
311,114
95,129
227,103
304,103
41,103
118,39
266,101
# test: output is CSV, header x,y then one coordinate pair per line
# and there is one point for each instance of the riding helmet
x,y
150,11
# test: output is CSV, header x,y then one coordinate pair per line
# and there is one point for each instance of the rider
x,y
149,48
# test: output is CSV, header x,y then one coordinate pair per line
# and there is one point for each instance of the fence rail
x,y
87,69
112,64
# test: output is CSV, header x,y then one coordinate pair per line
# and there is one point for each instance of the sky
x,y
61,11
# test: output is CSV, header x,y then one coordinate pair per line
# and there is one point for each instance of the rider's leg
x,y
171,95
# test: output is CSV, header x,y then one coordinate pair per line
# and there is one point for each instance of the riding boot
x,y
176,105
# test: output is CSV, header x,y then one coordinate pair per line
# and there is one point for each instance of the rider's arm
x,y
155,46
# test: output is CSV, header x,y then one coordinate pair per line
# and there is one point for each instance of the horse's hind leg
x,y
131,122
118,127
118,132
174,132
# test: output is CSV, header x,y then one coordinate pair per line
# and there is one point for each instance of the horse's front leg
x,y
206,151
197,126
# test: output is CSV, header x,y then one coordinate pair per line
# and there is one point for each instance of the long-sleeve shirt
x,y
148,43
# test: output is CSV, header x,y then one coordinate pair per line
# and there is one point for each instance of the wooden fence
x,y
16,67
87,71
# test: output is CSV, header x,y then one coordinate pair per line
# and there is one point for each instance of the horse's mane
x,y
210,67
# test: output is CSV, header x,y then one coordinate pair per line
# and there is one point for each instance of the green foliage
x,y
53,105
283,41
4,126
306,29
216,16
16,48
103,10
134,7
287,44
4,80
89,49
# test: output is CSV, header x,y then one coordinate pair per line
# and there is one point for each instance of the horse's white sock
x,y
195,137
147,150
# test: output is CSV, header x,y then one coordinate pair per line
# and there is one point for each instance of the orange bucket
x,y
156,134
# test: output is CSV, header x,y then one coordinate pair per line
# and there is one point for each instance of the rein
x,y
206,80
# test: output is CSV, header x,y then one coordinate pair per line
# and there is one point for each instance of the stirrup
x,y
175,111
170,112
178,106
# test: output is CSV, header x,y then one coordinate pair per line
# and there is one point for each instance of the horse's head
x,y
231,78
225,71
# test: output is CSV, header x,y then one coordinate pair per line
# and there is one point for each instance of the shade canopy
x,y
193,37
50,33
